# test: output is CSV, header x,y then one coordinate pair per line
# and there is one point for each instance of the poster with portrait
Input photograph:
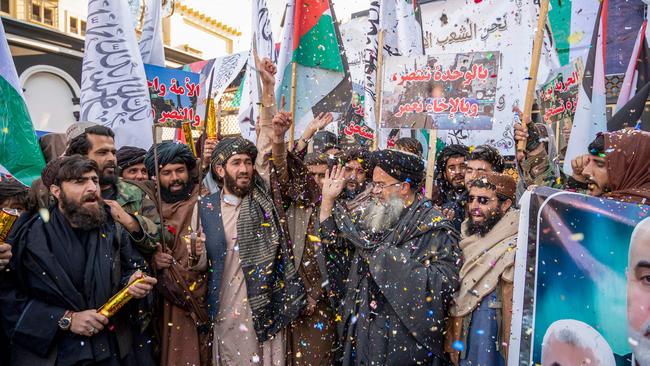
x,y
442,92
572,298
174,96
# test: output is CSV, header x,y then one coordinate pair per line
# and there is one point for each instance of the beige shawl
x,y
487,259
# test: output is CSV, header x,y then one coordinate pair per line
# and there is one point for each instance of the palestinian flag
x,y
590,117
636,87
20,153
311,39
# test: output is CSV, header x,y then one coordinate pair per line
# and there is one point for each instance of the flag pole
x,y
534,67
378,86
292,130
431,162
158,195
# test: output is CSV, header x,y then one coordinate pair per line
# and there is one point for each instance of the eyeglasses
x,y
379,187
482,200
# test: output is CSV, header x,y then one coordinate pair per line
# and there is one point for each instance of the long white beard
x,y
380,216
640,344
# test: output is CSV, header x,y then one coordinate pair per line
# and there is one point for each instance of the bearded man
x,y
180,261
638,298
129,205
64,269
450,180
254,289
482,309
403,271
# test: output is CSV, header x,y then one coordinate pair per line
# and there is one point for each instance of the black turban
x,y
128,156
232,146
400,165
169,153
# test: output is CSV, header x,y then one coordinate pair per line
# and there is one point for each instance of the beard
x,y
172,197
81,216
105,178
640,344
379,216
231,184
484,227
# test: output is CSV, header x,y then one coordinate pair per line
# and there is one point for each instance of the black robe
x,y
55,268
392,293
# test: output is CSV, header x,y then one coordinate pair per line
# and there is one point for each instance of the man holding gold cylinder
x,y
67,264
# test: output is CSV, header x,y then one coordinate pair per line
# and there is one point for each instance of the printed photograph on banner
x,y
174,96
443,92
584,291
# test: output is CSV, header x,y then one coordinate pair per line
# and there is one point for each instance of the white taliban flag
x,y
249,106
151,41
114,90
402,37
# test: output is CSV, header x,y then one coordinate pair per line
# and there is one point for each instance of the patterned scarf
x,y
275,293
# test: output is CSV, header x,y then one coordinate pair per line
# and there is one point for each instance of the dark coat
x,y
393,293
52,271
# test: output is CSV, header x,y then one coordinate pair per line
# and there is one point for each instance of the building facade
x,y
46,39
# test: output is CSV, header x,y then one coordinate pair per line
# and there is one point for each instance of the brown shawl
x,y
183,311
628,165
487,259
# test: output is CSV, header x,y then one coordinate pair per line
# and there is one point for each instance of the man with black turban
x,y
130,161
180,259
395,285
450,180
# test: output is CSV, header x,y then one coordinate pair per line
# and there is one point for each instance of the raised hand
x,y
578,165
281,124
334,183
318,124
266,70
208,148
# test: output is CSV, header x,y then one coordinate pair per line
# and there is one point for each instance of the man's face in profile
x,y
638,293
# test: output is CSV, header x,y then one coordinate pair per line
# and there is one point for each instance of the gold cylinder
x,y
211,122
8,218
189,140
115,303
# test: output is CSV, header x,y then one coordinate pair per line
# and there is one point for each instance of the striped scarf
x,y
275,293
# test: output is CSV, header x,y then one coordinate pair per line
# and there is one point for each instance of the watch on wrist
x,y
66,320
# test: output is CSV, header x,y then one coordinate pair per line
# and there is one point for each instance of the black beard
x,y
105,180
82,217
231,183
171,197
484,227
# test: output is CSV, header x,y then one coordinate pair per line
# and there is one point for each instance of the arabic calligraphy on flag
x,y
174,96
446,92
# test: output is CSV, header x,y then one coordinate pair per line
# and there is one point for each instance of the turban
x,y
169,153
505,185
128,156
403,166
232,146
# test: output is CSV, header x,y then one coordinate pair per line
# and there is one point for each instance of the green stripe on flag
x,y
20,152
319,47
560,20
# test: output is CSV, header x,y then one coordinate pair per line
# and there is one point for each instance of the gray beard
x,y
640,344
379,216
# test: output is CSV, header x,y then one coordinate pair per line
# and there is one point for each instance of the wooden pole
x,y
158,195
292,130
431,162
378,87
534,67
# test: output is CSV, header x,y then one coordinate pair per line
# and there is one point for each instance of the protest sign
x,y
559,96
504,25
174,95
570,270
443,92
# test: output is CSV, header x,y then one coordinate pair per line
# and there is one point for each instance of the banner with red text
x,y
443,92
174,96
558,97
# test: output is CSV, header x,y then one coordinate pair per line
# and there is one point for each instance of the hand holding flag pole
x,y
534,68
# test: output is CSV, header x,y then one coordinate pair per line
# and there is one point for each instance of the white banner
x,y
151,41
456,26
114,88
222,71
249,106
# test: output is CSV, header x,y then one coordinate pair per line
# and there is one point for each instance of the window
x,y
44,11
73,25
83,28
5,6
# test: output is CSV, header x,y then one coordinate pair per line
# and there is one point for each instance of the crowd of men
x,y
253,254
